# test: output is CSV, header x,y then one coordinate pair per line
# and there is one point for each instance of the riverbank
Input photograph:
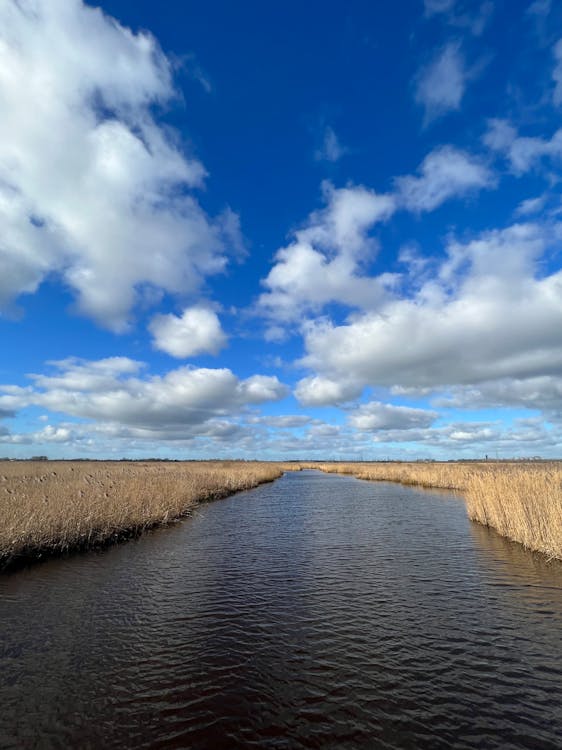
x,y
54,507
520,500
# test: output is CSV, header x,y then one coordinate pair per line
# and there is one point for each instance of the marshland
x,y
50,507
318,608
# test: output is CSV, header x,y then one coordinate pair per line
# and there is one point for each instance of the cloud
x,y
440,85
92,188
540,8
113,394
197,331
523,153
376,416
542,392
326,260
489,313
322,264
320,391
332,150
531,206
462,15
286,421
433,7
445,173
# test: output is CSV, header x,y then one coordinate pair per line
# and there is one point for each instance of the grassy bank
x,y
522,501
53,507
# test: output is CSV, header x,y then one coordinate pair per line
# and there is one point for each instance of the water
x,y
318,611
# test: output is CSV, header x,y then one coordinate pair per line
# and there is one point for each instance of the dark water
x,y
318,611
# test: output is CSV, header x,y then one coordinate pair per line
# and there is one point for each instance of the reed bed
x,y
53,507
520,500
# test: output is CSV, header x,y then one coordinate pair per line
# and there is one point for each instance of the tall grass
x,y
522,501
50,507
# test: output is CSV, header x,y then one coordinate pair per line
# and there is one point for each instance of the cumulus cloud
x,y
326,260
116,396
322,264
321,391
542,392
489,313
331,150
440,85
196,331
445,173
92,188
48,435
376,416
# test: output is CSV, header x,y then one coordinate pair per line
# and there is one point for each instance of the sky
x,y
281,230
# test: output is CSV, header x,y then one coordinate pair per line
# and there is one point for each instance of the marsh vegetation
x,y
520,500
56,506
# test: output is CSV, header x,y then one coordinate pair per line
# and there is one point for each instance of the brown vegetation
x,y
50,507
55,506
520,500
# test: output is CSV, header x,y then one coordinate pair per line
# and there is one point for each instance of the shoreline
x,y
521,501
58,508
30,538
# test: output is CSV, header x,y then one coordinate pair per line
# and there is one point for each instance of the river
x,y
319,611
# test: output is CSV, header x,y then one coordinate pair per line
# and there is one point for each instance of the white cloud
x,y
322,264
321,391
524,153
531,206
332,150
542,392
441,84
489,313
445,173
286,421
112,394
326,260
376,416
462,15
197,331
91,187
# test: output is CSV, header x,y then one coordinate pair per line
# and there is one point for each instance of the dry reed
x,y
56,506
520,500
50,507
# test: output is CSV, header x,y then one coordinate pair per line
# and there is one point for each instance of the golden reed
x,y
50,507
520,500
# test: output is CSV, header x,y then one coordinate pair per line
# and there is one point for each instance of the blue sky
x,y
289,230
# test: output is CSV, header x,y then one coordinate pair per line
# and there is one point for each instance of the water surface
x,y
318,611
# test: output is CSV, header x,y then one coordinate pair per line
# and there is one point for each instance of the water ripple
x,y
319,611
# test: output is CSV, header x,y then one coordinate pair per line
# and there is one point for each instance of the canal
x,y
315,612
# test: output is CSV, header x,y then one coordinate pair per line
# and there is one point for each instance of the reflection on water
x,y
318,611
